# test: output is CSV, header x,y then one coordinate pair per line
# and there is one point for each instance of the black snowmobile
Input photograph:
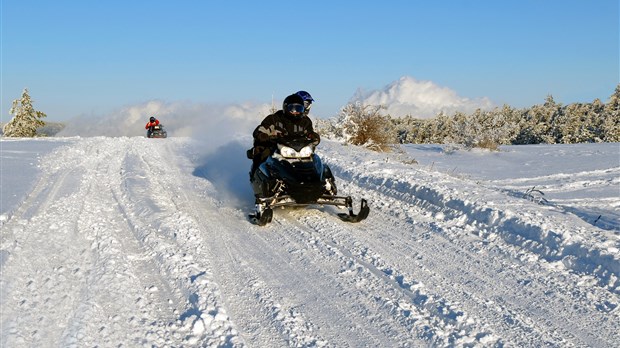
x,y
295,176
158,132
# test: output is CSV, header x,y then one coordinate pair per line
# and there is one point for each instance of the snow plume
x,y
222,134
215,123
227,167
420,99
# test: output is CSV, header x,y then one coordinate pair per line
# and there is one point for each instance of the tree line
x,y
549,123
367,125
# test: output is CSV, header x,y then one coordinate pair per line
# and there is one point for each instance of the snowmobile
x,y
294,176
158,132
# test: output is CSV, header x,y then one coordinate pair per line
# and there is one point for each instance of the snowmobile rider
x,y
290,121
150,125
307,101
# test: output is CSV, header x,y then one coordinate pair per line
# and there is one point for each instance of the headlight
x,y
289,152
306,152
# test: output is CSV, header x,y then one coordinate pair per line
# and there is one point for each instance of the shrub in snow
x,y
365,125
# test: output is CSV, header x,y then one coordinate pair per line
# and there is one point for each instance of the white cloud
x,y
421,99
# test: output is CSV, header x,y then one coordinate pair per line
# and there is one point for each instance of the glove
x,y
314,137
262,137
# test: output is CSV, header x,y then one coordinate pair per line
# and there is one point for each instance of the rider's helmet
x,y
307,100
152,119
293,105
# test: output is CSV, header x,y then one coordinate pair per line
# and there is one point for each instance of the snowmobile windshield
x,y
295,109
296,142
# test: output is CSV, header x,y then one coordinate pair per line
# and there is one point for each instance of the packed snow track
x,y
146,242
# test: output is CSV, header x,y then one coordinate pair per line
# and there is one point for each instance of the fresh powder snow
x,y
130,241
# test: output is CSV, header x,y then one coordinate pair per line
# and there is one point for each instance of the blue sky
x,y
91,57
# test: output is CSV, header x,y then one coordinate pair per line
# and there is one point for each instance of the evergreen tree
x,y
596,120
611,124
462,134
26,119
577,126
539,123
510,124
441,127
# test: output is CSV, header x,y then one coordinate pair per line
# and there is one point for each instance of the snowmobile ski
x,y
262,219
351,217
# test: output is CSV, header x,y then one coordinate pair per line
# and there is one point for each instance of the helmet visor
x,y
295,109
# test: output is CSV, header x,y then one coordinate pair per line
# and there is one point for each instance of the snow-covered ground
x,y
131,242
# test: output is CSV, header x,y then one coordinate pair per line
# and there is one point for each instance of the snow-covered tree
x,y
327,128
26,119
611,124
539,123
440,128
575,128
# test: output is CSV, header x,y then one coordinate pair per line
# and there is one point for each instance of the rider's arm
x,y
267,130
310,133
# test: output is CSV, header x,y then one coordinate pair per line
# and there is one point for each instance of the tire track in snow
x,y
525,231
340,290
274,320
40,274
175,240
122,275
297,294
444,253
256,276
76,276
429,317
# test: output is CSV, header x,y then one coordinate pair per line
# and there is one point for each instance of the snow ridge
x,y
545,238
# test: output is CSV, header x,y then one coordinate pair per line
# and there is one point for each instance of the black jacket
x,y
280,125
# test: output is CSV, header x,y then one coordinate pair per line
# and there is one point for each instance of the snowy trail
x,y
130,241
93,270
462,285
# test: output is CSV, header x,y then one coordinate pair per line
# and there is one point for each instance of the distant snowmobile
x,y
295,176
158,132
